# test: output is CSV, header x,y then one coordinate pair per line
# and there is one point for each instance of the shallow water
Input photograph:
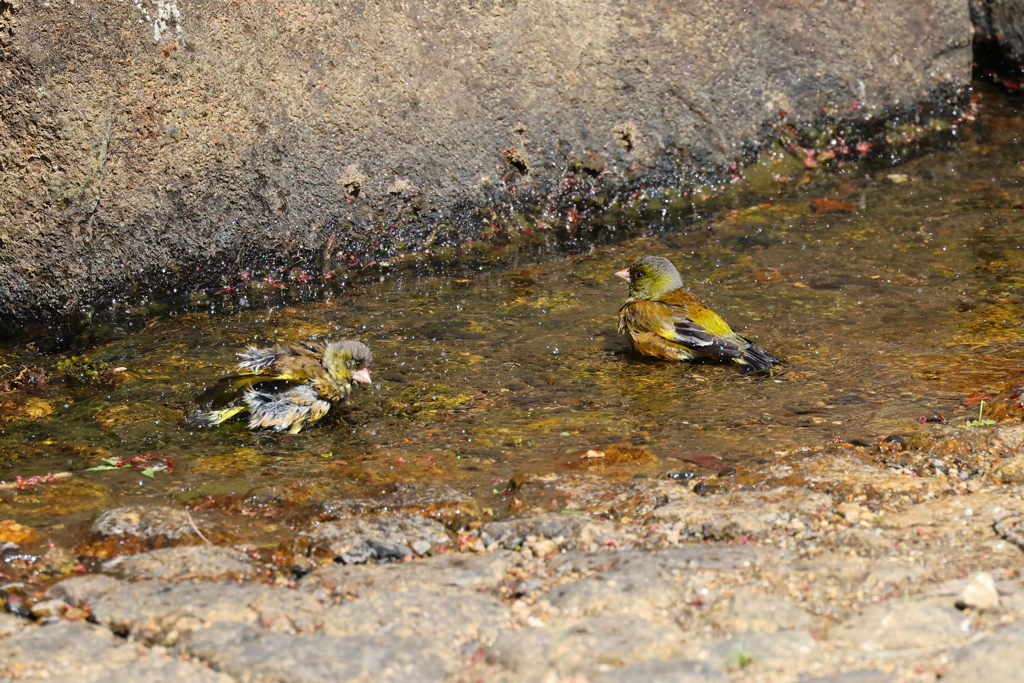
x,y
885,315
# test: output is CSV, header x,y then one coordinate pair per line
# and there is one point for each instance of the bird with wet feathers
x,y
287,388
664,320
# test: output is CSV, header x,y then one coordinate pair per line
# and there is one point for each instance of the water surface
x,y
885,314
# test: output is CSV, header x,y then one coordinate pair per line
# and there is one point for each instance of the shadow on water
x,y
886,313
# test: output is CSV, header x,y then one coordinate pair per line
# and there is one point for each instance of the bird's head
x,y
651,277
347,362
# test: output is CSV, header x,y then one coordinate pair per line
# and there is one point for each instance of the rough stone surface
x,y
156,145
900,625
384,539
633,584
83,590
474,572
446,615
747,610
585,645
10,624
563,531
160,613
252,654
93,654
861,676
793,650
994,659
662,671
210,563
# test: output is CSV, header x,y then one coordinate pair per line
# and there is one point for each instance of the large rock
x,y
162,145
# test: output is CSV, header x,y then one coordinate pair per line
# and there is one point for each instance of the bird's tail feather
x,y
757,360
215,417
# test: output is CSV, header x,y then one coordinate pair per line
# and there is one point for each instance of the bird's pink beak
x,y
362,376
624,274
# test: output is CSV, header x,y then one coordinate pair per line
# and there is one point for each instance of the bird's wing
x,y
229,388
673,323
668,322
686,306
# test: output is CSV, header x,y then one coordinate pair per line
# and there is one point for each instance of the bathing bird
x,y
664,320
287,388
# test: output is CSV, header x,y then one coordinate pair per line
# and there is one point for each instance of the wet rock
x,y
901,625
662,671
160,613
454,509
443,614
753,515
592,495
472,572
994,659
383,539
790,650
252,654
979,593
12,532
565,531
851,476
210,563
134,528
93,654
585,645
746,610
24,409
83,590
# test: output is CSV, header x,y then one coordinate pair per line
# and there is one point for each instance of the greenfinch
x,y
662,319
287,388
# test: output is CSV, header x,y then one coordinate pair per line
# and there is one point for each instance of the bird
x,y
664,320
287,388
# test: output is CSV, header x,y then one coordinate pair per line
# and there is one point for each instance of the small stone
x,y
852,512
979,593
542,547
48,609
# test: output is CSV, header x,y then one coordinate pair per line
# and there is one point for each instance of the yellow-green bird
x,y
287,388
662,319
